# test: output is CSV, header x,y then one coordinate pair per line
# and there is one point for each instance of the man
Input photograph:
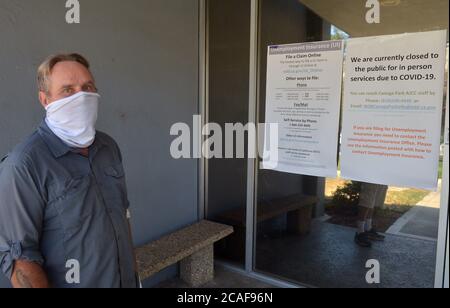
x,y
370,196
63,198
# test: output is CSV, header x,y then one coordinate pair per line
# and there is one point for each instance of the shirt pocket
x,y
73,202
114,188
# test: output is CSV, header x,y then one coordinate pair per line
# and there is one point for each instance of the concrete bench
x,y
297,207
299,210
193,247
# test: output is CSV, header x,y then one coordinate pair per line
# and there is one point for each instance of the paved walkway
x,y
421,222
329,258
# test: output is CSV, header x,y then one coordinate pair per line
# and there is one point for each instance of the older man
x,y
63,198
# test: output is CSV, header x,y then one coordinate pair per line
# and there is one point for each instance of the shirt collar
x,y
57,146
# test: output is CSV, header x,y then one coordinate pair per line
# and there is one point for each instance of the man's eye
x,y
90,88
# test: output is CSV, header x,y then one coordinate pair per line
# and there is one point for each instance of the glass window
x,y
314,245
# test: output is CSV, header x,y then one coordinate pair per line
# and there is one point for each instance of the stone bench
x,y
299,211
297,207
193,247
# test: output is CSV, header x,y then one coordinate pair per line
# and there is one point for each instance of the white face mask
x,y
73,119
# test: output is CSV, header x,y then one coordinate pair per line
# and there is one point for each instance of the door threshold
x,y
258,276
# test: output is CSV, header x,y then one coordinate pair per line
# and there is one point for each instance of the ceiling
x,y
397,16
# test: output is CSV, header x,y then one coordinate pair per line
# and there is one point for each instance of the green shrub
x,y
348,197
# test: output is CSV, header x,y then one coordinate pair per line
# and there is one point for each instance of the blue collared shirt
x,y
66,212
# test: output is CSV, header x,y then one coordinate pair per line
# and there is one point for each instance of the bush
x,y
348,197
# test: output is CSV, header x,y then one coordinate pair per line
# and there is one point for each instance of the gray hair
x,y
45,69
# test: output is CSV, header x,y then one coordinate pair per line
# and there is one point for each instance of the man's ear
x,y
43,98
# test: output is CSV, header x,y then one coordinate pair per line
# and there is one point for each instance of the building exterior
x,y
161,62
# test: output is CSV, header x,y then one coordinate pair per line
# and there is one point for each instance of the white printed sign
x,y
392,114
303,98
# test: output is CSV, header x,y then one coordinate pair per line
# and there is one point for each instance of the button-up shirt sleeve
x,y
21,216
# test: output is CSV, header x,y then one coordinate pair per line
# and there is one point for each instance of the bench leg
x,y
299,221
198,269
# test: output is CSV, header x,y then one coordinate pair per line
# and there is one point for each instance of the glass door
x,y
304,229
293,227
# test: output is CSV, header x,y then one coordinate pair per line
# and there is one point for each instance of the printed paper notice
x,y
392,115
303,98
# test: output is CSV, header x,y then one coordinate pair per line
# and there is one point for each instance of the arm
x,y
135,267
21,219
134,253
130,233
29,275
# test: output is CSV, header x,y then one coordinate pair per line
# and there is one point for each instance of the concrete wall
x,y
144,55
